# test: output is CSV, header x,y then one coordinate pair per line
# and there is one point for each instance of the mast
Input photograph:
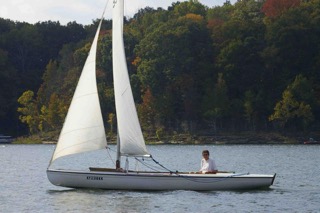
x,y
118,162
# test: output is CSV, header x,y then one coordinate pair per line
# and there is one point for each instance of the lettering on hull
x,y
94,178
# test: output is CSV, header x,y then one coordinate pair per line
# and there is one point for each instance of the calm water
x,y
24,186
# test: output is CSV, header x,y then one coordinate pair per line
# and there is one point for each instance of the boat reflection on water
x,y
6,139
311,141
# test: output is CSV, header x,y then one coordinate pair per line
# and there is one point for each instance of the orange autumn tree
x,y
147,111
274,8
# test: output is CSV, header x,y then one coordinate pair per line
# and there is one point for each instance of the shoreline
x,y
243,138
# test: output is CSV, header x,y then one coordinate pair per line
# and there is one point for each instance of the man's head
x,y
205,154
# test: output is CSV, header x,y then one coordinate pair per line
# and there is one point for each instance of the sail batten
x,y
131,139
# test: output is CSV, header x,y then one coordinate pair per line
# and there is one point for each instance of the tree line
x,y
250,66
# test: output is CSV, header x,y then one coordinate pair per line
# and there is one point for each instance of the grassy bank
x,y
219,138
234,138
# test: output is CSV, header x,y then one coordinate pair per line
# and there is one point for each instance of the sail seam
x,y
124,91
90,127
77,97
87,141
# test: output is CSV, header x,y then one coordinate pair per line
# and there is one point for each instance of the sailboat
x,y
83,131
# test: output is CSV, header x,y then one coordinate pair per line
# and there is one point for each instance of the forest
x,y
249,66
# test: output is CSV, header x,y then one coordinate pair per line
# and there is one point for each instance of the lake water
x,y
24,186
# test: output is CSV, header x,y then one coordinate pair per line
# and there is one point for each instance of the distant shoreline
x,y
243,138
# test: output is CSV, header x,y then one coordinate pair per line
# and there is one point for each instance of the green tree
x,y
8,92
216,103
253,108
295,108
293,44
238,40
52,116
191,6
29,111
111,122
50,83
172,60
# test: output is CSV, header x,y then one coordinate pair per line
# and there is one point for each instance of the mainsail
x,y
83,129
131,139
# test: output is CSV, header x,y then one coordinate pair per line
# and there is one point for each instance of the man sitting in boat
x,y
208,165
118,168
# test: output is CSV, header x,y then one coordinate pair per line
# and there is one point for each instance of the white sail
x,y
83,129
131,138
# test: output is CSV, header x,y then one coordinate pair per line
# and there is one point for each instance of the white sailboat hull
x,y
83,131
158,181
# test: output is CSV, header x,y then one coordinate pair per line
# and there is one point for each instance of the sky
x,y
81,11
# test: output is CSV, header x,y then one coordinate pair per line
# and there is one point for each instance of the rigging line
x,y
114,163
111,149
171,172
147,165
104,10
